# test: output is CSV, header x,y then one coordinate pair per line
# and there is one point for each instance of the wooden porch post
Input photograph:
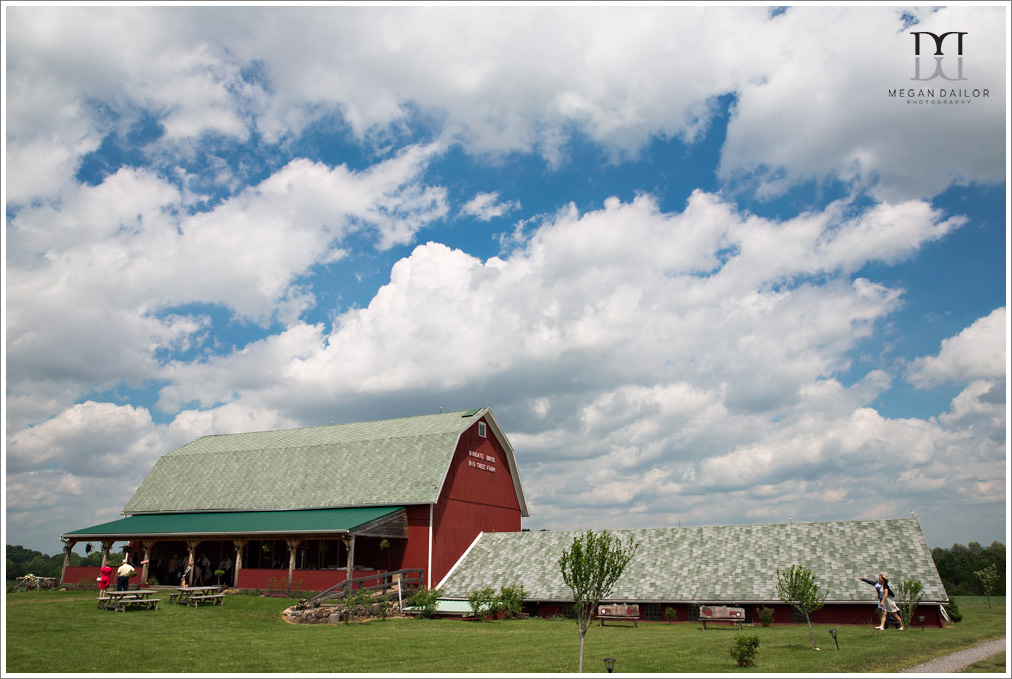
x,y
106,546
293,546
350,543
237,566
66,559
146,562
191,546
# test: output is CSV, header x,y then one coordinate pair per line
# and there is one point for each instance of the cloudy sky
x,y
707,265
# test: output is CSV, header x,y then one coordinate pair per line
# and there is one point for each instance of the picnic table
x,y
201,594
134,598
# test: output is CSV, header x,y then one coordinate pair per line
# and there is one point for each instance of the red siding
x,y
88,575
478,496
416,552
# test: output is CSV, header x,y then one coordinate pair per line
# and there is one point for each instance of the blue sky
x,y
683,253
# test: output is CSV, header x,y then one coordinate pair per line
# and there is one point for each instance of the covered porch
x,y
310,549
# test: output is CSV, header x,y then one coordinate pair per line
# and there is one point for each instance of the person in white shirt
x,y
123,575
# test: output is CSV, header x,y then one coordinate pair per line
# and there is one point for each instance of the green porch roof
x,y
712,564
387,462
236,523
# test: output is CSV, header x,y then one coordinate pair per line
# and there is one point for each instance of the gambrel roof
x,y
712,564
363,464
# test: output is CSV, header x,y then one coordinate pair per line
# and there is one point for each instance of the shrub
x,y
482,602
670,614
361,597
358,603
744,649
384,608
511,600
765,616
953,610
426,601
908,596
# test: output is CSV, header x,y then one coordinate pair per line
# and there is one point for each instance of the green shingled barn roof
x,y
712,564
388,462
303,521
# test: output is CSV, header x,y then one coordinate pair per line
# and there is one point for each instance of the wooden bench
x,y
122,604
213,599
731,614
621,612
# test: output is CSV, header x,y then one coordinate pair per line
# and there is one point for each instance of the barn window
x,y
653,613
481,430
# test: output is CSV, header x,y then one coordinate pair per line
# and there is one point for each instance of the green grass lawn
x,y
63,632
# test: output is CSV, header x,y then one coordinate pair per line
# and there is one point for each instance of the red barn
x,y
311,507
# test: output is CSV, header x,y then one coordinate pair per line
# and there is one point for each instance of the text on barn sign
x,y
487,462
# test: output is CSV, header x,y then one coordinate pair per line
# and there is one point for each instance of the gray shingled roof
x,y
712,564
388,462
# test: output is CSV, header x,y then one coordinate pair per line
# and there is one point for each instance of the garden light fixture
x,y
609,664
832,633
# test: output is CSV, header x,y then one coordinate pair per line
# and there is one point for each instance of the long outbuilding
x,y
686,568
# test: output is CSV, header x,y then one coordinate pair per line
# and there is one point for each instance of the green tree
x,y
590,568
957,567
22,561
988,579
909,594
797,587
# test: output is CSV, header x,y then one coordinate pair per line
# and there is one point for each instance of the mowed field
x,y
65,632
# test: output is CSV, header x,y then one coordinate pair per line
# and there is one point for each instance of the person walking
x,y
878,591
889,607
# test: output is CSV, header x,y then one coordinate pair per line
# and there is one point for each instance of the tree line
x,y
958,567
22,561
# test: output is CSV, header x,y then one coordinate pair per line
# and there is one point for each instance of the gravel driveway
x,y
960,660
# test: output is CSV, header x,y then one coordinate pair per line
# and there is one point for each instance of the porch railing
x,y
407,578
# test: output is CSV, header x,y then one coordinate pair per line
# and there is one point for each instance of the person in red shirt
x,y
103,581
